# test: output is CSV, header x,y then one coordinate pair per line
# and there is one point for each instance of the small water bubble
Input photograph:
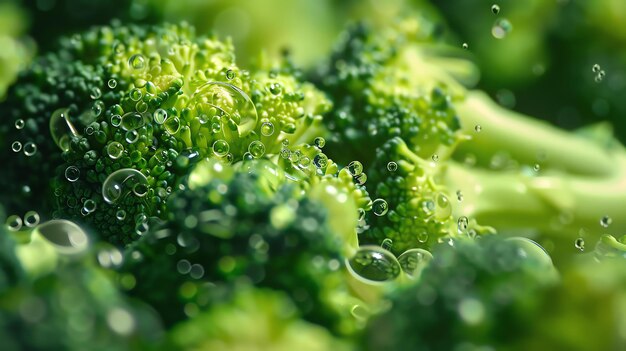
x,y
131,136
275,88
97,107
380,207
196,271
536,167
14,223
387,244
478,128
422,236
16,146
461,224
120,183
355,168
230,74
30,148
373,263
392,166
140,189
72,173
112,83
90,206
285,142
120,215
413,261
435,158
320,160
360,179
116,120
141,106
267,128
501,28
495,9
119,48
256,149
160,116
115,150
465,46
319,142
579,243
220,148
459,195
19,123
304,162
598,79
172,125
137,62
606,221
601,74
95,93
31,219
595,68
183,266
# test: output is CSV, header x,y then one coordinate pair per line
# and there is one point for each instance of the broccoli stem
x,y
526,139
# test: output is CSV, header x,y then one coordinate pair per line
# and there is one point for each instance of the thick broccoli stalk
x,y
130,109
229,227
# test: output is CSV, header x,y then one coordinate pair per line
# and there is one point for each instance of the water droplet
x,y
361,213
131,136
380,207
501,28
31,219
110,256
360,179
160,115
220,148
495,9
196,271
30,148
267,129
304,162
536,167
320,160
116,120
230,74
97,107
140,189
95,93
422,236
579,243
373,263
275,88
413,261
459,195
435,158
606,221
19,123
478,128
256,149
172,125
355,168
392,166
120,215
601,74
141,107
119,48
598,79
461,224
595,68
443,209
137,62
131,121
135,94
72,173
465,46
112,83
115,150
285,142
235,108
120,183
61,128
387,244
16,146
65,236
14,223
89,206
319,142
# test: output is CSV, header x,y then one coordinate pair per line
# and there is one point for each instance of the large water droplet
x,y
380,207
413,261
61,129
121,182
237,111
65,236
132,121
374,264
320,160
319,142
137,62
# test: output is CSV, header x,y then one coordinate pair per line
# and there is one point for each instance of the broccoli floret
x,y
230,228
147,103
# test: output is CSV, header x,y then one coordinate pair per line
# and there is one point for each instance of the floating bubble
x,y
495,9
131,136
135,94
392,166
95,93
319,142
606,221
160,115
16,146
65,236
19,123
360,179
380,207
112,83
72,173
31,219
501,28
355,168
30,148
61,129
461,224
220,148
413,261
256,149
320,160
14,223
120,215
275,88
236,109
115,150
137,62
374,264
120,183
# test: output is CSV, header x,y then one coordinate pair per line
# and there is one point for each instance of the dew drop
x,y
320,160
392,166
413,261
140,189
461,224
275,88
355,168
160,115
30,148
536,167
360,179
19,123
135,94
131,121
373,263
112,83
14,223
478,128
220,148
120,183
459,195
579,243
256,149
230,74
16,146
72,173
115,150
443,209
141,107
61,128
131,136
495,9
422,236
435,158
137,62
501,28
90,206
97,107
606,221
304,162
380,207
319,142
116,120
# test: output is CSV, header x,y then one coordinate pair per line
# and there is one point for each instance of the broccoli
x,y
18,49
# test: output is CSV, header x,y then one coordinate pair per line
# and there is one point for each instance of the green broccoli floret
x,y
231,226
473,295
130,109
253,319
17,48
